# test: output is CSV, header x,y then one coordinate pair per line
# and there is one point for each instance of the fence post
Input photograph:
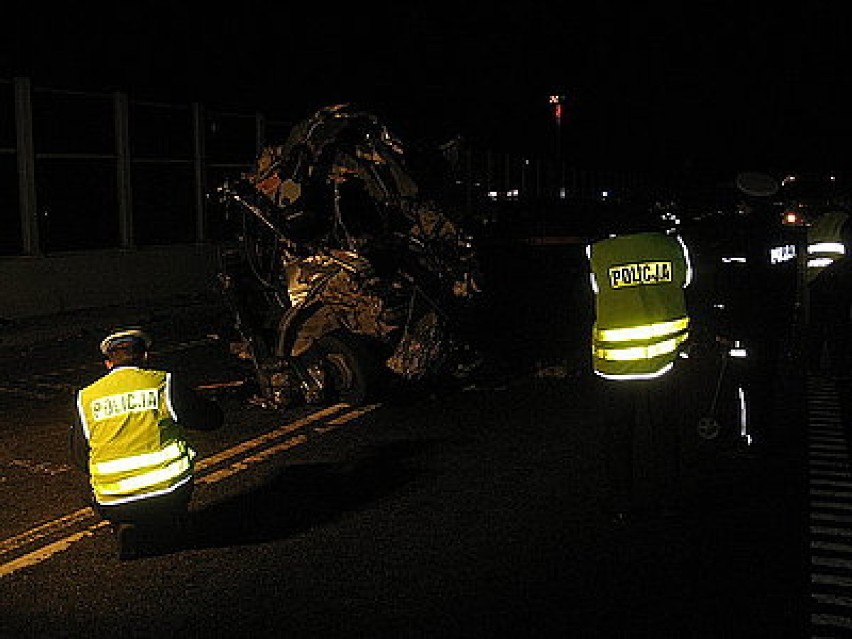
x,y
200,167
123,170
507,172
538,186
468,182
489,171
26,167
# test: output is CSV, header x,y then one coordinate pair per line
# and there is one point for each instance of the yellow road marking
x,y
233,384
353,414
34,534
46,552
244,463
266,437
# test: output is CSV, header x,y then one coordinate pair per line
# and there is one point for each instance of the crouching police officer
x,y
129,437
829,268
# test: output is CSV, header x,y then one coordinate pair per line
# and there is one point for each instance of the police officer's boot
x,y
127,540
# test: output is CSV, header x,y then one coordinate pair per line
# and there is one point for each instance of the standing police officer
x,y
129,436
641,324
827,283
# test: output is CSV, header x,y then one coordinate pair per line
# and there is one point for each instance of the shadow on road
x,y
306,495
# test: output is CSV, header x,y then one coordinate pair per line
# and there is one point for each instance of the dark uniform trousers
x,y
154,510
161,523
647,423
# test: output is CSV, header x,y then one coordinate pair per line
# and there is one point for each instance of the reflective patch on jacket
x,y
640,274
123,403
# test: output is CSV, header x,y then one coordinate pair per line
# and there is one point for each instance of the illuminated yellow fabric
x,y
640,309
635,353
650,331
138,462
825,243
137,448
147,479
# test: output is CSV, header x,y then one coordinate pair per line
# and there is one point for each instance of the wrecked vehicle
x,y
339,274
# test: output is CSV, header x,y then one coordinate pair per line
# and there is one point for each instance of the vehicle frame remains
x,y
338,271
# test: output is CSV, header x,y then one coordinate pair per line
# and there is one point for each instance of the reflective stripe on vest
x,y
825,245
177,469
646,332
141,476
824,253
624,377
138,463
636,353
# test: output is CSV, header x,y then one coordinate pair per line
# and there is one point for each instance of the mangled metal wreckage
x,y
339,274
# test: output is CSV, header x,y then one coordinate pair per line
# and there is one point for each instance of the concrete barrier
x,y
38,286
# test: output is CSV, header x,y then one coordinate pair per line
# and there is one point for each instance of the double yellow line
x,y
208,470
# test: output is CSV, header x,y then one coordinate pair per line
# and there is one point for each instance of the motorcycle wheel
x,y
343,366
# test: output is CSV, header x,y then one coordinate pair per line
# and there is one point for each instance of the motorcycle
x,y
339,274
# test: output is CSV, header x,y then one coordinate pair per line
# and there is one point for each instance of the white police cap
x,y
125,335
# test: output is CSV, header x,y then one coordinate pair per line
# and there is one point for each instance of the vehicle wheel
x,y
708,428
343,367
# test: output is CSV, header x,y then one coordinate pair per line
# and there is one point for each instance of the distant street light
x,y
557,103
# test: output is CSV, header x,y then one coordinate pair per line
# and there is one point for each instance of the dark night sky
x,y
698,85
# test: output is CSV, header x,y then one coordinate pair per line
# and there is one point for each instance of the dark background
x,y
697,86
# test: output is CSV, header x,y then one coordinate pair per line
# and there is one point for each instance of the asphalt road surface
x,y
454,513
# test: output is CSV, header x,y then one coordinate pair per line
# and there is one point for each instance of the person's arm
x,y
78,443
193,410
846,234
687,261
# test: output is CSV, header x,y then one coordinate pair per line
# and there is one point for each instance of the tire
x,y
345,367
708,428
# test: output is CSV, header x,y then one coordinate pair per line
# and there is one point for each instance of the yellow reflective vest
x,y
137,448
825,243
640,307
